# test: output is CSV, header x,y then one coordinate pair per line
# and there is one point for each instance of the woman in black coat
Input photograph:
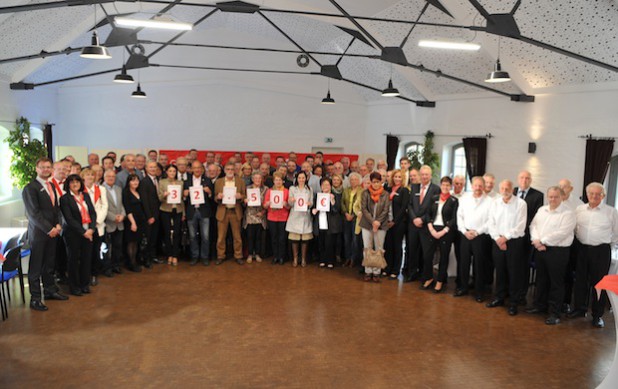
x,y
135,222
442,227
330,229
397,227
80,221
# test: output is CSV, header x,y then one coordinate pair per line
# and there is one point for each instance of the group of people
x,y
336,213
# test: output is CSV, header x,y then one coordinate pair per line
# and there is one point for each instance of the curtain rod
x,y
589,136
36,124
488,135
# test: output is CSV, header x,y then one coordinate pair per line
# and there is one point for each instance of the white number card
x,y
276,199
301,203
196,194
253,197
323,202
173,194
229,195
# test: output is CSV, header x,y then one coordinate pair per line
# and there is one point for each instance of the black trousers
x,y
41,265
473,250
254,239
569,277
528,259
96,265
592,265
418,242
326,246
351,243
171,223
393,246
278,238
550,268
508,269
114,256
457,245
79,260
60,262
444,245
152,235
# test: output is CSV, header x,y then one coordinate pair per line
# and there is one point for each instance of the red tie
x,y
82,209
423,193
52,195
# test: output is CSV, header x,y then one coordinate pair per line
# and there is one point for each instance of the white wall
x,y
554,122
208,115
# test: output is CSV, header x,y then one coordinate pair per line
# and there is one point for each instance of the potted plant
x,y
426,155
26,151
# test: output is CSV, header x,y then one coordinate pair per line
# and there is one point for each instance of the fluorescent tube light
x,y
449,45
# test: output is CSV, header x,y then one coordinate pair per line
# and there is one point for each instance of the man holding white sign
x,y
197,189
229,194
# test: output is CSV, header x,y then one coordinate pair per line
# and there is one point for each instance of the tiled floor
x,y
262,326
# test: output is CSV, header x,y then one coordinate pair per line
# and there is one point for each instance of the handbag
x,y
374,258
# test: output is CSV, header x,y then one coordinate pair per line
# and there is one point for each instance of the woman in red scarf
x,y
80,222
442,228
375,205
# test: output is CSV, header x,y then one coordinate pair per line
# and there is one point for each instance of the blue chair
x,y
9,269
11,243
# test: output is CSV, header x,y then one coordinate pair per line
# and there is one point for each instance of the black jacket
x,y
449,211
400,204
534,201
415,208
73,217
150,198
204,209
42,214
334,216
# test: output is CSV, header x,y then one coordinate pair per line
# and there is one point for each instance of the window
x,y
412,150
6,187
458,162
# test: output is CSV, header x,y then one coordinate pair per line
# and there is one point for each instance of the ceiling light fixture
x,y
328,99
139,93
498,75
160,23
123,77
390,91
437,44
95,50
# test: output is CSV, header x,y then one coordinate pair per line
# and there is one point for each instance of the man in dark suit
x,y
534,201
198,215
147,189
418,235
41,203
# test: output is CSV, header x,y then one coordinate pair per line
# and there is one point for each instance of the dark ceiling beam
x,y
289,38
203,45
357,24
232,69
327,14
200,20
18,85
568,53
42,54
403,43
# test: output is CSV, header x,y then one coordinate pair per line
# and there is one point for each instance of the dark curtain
x,y
598,155
48,139
476,156
392,147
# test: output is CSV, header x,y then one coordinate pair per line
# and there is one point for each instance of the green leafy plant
x,y
426,155
26,151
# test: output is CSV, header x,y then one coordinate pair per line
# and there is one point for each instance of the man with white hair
x,y
473,222
551,234
490,181
419,240
507,227
570,201
459,183
597,230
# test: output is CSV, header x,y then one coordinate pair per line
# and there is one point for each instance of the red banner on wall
x,y
225,155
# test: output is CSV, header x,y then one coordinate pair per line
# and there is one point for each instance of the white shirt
x,y
553,228
473,214
492,195
597,225
100,207
457,195
439,221
507,219
572,202
197,181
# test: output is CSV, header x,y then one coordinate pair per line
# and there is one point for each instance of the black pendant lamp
x,y
390,91
328,99
95,50
123,77
498,75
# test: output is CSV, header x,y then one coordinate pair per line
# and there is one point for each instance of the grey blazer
x,y
114,209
